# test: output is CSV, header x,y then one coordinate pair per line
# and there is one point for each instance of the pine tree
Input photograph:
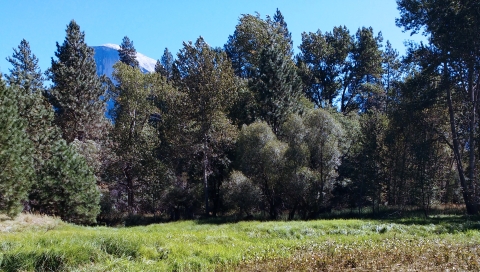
x,y
282,27
32,104
277,87
364,87
54,161
77,90
26,72
68,188
452,29
391,73
205,76
165,65
127,53
16,164
253,34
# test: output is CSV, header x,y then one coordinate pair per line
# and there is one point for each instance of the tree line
x,y
250,127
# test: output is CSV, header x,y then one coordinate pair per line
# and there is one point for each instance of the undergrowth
x,y
449,242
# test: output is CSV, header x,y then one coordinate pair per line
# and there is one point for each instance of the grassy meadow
x,y
36,243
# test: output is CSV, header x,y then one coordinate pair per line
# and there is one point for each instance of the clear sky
x,y
156,24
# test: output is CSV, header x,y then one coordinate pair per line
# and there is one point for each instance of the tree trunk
x,y
472,139
205,174
467,197
130,196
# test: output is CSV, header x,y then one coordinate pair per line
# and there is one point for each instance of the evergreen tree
x,y
32,104
25,72
205,77
69,188
371,176
77,90
362,89
253,34
55,164
127,53
277,87
451,56
16,162
283,29
164,66
391,73
418,160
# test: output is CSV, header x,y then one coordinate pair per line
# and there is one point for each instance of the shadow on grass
x,y
452,219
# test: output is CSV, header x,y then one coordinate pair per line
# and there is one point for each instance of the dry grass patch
x,y
27,221
387,255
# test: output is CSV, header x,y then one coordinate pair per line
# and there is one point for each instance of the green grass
x,y
403,244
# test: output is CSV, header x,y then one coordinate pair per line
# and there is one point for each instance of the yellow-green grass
x,y
437,244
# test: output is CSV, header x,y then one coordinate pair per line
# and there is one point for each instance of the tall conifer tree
x,y
16,164
68,188
26,72
164,66
282,27
32,105
127,53
77,90
277,87
205,77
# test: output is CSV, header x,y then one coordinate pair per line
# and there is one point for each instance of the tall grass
x,y
414,244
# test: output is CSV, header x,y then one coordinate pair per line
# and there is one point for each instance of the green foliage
x,y
205,77
164,66
323,62
347,126
135,168
365,90
253,34
452,57
370,175
68,189
25,72
337,65
277,87
261,157
315,149
420,155
272,246
240,194
32,105
16,161
77,89
127,53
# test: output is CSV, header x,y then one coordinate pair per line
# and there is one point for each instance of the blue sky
x,y
154,25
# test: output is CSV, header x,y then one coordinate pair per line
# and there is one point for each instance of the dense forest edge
x,y
345,128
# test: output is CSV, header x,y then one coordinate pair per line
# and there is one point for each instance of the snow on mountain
x,y
106,56
111,45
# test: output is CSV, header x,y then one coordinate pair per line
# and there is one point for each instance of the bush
x,y
240,194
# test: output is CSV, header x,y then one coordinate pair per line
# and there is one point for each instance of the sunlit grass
x,y
414,244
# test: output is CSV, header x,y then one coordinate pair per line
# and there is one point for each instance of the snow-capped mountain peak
x,y
106,56
111,45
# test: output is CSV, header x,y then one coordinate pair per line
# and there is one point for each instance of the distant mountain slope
x,y
107,55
